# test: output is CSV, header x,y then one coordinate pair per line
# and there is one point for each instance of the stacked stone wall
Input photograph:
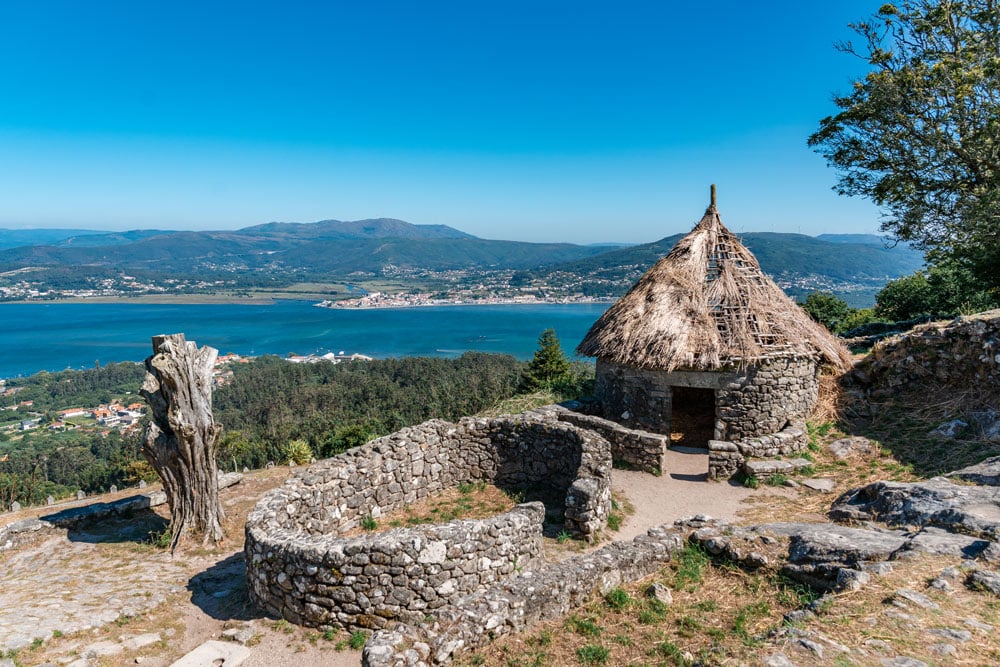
x,y
750,402
397,575
547,592
961,353
726,458
299,567
638,449
762,399
634,397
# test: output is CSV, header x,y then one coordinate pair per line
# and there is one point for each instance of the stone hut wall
x,y
762,399
299,568
634,397
749,403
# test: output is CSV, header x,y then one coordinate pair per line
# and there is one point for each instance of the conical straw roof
x,y
706,306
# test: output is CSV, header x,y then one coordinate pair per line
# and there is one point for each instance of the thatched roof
x,y
706,306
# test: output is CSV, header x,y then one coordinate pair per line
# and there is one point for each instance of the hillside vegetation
x,y
266,406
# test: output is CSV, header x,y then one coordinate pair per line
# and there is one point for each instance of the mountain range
x,y
335,248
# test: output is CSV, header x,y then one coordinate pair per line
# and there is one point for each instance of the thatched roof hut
x,y
707,306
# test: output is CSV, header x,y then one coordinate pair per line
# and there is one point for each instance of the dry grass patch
x,y
904,421
858,469
864,620
472,500
724,615
720,614
520,403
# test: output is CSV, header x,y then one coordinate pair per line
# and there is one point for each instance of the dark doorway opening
x,y
692,417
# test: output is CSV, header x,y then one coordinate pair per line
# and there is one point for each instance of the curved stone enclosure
x,y
300,568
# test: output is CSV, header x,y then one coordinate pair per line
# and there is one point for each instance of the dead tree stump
x,y
182,437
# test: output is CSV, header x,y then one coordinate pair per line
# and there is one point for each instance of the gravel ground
x,y
78,585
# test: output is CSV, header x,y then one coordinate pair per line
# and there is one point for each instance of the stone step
x,y
224,654
766,467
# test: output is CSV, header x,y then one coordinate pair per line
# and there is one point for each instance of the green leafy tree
x,y
942,291
857,318
549,369
344,438
827,309
918,133
905,298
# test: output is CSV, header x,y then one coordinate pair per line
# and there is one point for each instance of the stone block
x,y
214,653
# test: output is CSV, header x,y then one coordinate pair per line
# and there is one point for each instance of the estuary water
x,y
56,336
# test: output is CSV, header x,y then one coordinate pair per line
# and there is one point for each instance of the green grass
x,y
668,649
691,563
357,640
544,638
592,654
687,626
369,523
618,599
777,479
584,626
653,612
745,616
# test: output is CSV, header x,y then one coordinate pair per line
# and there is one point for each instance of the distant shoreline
x,y
538,302
171,300
220,299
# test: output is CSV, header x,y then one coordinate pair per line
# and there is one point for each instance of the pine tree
x,y
549,368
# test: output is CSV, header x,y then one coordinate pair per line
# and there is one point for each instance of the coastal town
x,y
115,415
402,300
391,287
30,284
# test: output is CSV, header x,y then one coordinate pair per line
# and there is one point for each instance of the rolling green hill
x,y
780,255
851,265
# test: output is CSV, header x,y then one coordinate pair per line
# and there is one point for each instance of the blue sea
x,y
57,336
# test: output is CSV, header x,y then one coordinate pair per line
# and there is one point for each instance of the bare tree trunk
x,y
181,440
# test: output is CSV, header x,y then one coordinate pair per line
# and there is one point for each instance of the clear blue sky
x,y
530,120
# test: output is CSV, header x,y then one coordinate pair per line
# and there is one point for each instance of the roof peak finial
x,y
712,204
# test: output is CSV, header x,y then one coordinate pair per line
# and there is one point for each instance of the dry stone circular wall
x,y
300,568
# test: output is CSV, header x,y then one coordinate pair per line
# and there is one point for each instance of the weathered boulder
x,y
830,543
821,484
856,444
987,424
937,502
829,557
949,430
937,541
985,580
986,473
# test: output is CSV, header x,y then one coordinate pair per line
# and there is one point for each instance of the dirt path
x,y
681,492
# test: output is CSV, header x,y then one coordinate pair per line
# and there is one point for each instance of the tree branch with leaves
x,y
919,134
